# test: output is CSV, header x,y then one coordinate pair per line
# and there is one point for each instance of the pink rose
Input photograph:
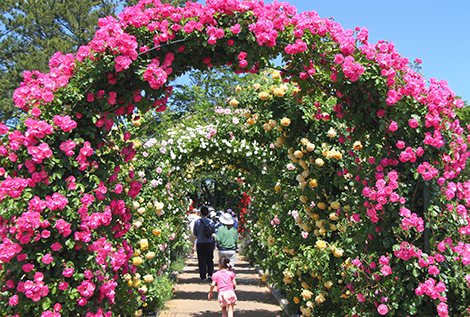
x,y
57,307
393,126
56,246
63,286
360,298
413,123
47,259
433,270
68,272
382,309
13,301
442,310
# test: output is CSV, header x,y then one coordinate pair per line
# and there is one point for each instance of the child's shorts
x,y
227,298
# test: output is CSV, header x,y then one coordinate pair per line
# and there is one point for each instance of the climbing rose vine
x,y
378,149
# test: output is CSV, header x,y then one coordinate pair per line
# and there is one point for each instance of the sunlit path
x,y
254,298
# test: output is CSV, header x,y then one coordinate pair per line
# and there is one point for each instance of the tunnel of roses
x,y
347,158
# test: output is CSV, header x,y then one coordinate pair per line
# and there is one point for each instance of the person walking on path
x,y
235,221
225,281
227,238
203,230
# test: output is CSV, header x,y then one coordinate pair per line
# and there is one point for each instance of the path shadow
x,y
245,296
238,313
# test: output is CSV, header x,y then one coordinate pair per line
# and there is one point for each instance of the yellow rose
x,y
279,142
279,92
298,154
331,133
277,188
333,216
320,298
303,199
296,300
136,252
136,123
234,102
335,205
264,278
263,95
285,121
313,183
136,283
287,280
320,244
267,127
148,278
357,145
141,210
276,75
321,206
310,147
337,155
306,294
150,255
319,162
143,289
130,282
144,244
137,260
305,285
157,232
250,121
338,253
135,205
272,123
256,86
328,284
138,313
127,277
306,311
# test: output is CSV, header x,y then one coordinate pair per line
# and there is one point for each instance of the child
x,y
225,280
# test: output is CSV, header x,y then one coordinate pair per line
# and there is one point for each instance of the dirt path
x,y
254,298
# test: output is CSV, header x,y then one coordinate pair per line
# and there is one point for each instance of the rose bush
x,y
351,159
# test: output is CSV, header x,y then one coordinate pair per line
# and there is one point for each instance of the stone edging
x,y
282,301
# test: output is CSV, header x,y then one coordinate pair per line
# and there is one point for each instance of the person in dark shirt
x,y
205,245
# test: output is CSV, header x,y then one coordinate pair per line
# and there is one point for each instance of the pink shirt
x,y
224,278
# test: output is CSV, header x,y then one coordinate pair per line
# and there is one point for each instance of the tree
x,y
34,30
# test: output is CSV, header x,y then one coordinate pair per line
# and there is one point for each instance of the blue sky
x,y
437,32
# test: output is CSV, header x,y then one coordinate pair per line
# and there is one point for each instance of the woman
x,y
227,238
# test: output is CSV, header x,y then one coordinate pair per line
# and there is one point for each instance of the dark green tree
x,y
32,31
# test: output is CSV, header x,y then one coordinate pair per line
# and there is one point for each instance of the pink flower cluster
x,y
34,289
411,220
39,153
65,123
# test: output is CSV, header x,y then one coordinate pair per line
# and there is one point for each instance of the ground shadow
x,y
245,296
243,313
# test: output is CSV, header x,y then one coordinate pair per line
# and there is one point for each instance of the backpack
x,y
206,230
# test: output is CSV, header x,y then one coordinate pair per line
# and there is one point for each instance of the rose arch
x,y
357,207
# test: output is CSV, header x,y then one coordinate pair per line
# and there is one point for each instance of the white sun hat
x,y
226,219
